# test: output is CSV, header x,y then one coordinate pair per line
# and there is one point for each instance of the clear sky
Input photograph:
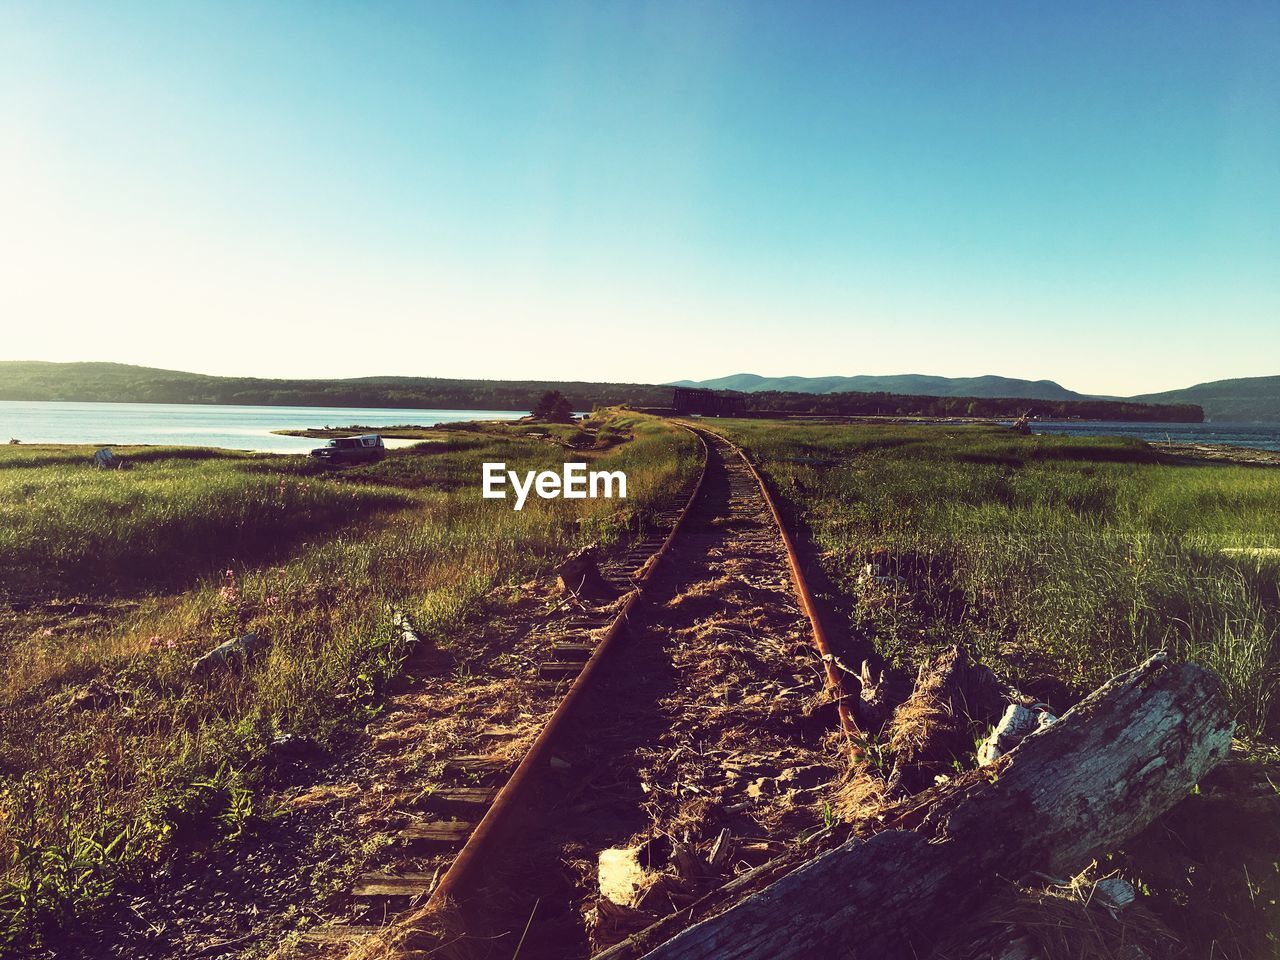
x,y
1088,192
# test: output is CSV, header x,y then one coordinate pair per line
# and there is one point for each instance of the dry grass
x,y
1058,562
159,748
1068,922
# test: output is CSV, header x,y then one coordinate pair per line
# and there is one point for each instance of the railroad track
x,y
692,733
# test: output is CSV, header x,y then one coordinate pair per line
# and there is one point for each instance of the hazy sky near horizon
x,y
1086,192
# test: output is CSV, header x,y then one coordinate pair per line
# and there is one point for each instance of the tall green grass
x,y
313,561
76,528
1074,557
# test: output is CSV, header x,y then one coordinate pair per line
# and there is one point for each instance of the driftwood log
x,y
1066,794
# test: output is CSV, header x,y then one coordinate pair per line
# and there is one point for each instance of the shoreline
x,y
1223,453
399,432
1200,453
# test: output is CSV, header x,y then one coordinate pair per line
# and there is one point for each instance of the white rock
x,y
1017,722
622,880
230,654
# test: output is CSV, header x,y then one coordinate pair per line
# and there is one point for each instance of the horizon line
x,y
650,383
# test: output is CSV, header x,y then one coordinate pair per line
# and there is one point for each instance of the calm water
x,y
1264,436
205,425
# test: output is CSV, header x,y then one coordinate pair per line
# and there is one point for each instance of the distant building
x,y
708,403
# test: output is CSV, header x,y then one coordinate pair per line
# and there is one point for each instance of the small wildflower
x,y
229,592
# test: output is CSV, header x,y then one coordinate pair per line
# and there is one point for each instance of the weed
x,y
1070,556
182,552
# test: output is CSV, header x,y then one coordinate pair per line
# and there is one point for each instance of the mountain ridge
x,y
985,386
1241,398
103,382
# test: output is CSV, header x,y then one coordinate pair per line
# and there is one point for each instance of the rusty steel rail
x,y
835,677
506,807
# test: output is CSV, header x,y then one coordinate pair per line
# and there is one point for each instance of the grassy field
x,y
1081,555
112,753
1058,562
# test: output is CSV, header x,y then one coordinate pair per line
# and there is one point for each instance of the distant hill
x,y
913,405
1250,398
1247,398
907,383
119,382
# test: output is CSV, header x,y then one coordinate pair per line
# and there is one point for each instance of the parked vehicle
x,y
365,449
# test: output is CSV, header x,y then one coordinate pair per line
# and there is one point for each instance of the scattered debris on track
x,y
703,749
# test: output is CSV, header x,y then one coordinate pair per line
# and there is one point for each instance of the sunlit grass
x,y
188,552
79,528
1076,556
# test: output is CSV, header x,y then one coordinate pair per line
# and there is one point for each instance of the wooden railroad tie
x,y
382,884
445,832
460,796
559,668
475,765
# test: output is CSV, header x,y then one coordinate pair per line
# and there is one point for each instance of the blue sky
x,y
1085,192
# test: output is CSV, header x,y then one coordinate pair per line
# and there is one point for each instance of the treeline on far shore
x,y
122,383
902,405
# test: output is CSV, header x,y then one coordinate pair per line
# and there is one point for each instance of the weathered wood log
x,y
1064,795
